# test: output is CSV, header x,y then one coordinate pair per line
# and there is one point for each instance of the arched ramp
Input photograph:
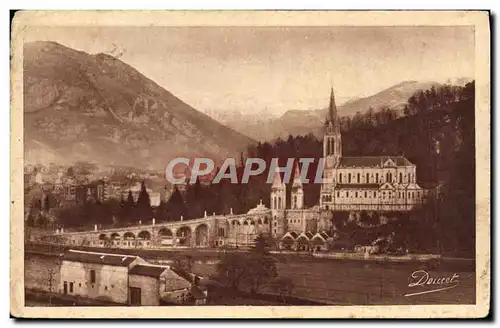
x,y
201,235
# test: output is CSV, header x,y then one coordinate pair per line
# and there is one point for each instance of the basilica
x,y
375,184
362,183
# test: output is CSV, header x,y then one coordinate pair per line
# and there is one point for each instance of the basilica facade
x,y
362,183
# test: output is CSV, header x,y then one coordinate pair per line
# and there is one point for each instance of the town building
x,y
126,279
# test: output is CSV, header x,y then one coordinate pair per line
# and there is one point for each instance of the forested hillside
x,y
437,135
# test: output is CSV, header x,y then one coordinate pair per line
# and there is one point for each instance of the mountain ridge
x,y
298,122
95,107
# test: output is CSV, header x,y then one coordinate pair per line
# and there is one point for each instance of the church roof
x,y
297,181
373,161
258,209
277,179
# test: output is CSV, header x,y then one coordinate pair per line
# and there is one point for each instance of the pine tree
x,y
175,206
143,205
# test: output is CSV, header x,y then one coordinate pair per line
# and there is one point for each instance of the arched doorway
x,y
165,237
318,244
184,236
129,235
302,244
165,233
287,243
115,236
103,236
144,235
201,235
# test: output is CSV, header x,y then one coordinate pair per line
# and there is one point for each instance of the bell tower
x,y
278,205
332,141
297,193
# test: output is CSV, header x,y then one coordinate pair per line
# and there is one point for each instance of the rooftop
x,y
98,258
153,271
373,161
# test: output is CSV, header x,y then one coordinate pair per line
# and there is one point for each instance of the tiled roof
x,y
372,161
324,234
98,258
147,270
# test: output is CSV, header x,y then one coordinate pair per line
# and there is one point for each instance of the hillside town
x,y
321,202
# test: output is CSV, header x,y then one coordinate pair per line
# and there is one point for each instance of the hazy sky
x,y
278,68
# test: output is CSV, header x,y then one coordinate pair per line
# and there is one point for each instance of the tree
x,y
252,270
184,263
262,245
283,286
231,269
143,205
261,268
175,206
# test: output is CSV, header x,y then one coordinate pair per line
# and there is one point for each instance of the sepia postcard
x,y
239,164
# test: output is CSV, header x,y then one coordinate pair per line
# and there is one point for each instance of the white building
x,y
369,183
126,279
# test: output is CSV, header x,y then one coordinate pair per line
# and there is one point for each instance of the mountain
x,y
96,108
298,122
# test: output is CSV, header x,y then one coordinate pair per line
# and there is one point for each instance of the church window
x,y
347,194
376,178
356,195
400,177
375,194
279,203
366,194
367,179
349,178
359,178
295,201
274,201
338,193
388,177
340,177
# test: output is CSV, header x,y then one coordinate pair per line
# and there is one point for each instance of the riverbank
x,y
207,253
332,281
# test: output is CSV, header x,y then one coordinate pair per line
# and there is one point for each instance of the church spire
x,y
297,181
332,109
277,179
332,120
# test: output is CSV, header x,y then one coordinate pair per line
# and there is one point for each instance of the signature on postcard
x,y
422,279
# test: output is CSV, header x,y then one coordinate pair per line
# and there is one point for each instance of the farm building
x,y
125,279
